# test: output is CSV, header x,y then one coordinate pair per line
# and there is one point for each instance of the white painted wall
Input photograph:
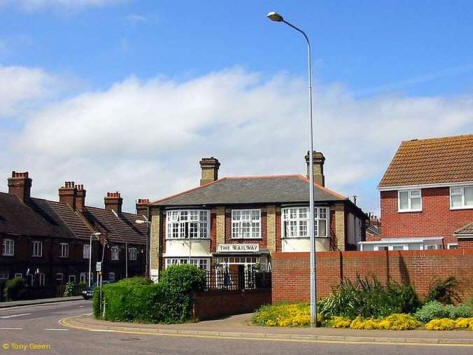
x,y
303,244
180,248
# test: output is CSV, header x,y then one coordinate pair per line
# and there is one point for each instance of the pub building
x,y
236,223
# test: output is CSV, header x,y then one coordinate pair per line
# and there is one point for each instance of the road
x,y
39,325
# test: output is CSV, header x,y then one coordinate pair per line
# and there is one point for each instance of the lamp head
x,y
140,221
274,16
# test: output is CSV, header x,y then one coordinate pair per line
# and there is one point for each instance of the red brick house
x,y
47,242
236,223
427,196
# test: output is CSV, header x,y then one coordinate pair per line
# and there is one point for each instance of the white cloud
x,y
31,5
22,88
145,137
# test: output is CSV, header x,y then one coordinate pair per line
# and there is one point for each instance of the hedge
x,y
138,300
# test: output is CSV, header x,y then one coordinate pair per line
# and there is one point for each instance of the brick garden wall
x,y
290,271
214,304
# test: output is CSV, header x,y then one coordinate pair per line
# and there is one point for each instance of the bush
x,y
69,290
444,291
369,298
392,322
139,300
440,324
339,322
434,309
15,289
284,315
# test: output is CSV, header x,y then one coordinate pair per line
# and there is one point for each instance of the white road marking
x,y
11,328
15,315
63,330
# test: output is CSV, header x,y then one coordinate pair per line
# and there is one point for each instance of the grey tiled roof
x,y
243,190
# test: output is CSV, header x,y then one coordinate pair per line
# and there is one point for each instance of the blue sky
x,y
384,71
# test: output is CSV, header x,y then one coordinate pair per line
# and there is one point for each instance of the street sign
x,y
98,266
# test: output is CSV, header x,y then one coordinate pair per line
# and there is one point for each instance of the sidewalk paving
x,y
39,301
239,327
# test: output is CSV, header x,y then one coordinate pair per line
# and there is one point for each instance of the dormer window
x,y
410,200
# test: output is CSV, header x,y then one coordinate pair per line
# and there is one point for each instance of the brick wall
x,y
418,267
436,218
215,304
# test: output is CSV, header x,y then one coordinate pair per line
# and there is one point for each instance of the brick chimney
x,y
80,198
142,206
20,185
318,159
209,168
67,194
113,201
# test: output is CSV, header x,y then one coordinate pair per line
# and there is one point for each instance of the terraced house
x,y
235,223
48,242
427,196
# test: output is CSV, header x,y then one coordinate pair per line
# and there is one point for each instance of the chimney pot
x,y
67,194
318,159
209,168
80,198
142,206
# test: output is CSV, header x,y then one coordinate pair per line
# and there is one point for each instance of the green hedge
x,y
15,289
138,300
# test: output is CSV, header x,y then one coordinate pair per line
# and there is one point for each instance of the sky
x,y
129,95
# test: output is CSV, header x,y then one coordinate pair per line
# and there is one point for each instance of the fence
x,y
238,281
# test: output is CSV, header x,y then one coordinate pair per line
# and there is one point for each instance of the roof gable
x,y
431,161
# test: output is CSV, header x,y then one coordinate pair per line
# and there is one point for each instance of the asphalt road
x,y
39,325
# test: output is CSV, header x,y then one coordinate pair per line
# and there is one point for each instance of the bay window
x,y
295,222
409,201
461,197
185,224
246,224
201,263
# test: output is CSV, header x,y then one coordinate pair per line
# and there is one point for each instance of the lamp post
x,y
148,222
96,235
274,16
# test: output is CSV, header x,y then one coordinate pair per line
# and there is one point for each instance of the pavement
x,y
67,328
239,326
39,301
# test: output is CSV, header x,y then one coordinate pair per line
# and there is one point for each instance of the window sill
x,y
316,237
247,238
408,211
461,208
187,239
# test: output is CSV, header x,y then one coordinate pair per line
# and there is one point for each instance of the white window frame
x,y
83,277
390,247
86,251
409,200
111,276
202,263
115,253
132,254
287,218
71,278
435,246
37,249
462,194
185,224
450,245
64,247
253,224
42,279
8,247
4,275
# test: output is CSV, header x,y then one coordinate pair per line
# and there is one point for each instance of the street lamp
x,y
96,235
274,16
148,222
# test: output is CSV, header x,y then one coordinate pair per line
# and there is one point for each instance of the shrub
x,y
369,298
430,311
15,289
339,322
464,323
434,309
440,324
399,322
139,300
444,291
69,290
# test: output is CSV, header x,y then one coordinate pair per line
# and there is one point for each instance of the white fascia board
x,y
424,186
